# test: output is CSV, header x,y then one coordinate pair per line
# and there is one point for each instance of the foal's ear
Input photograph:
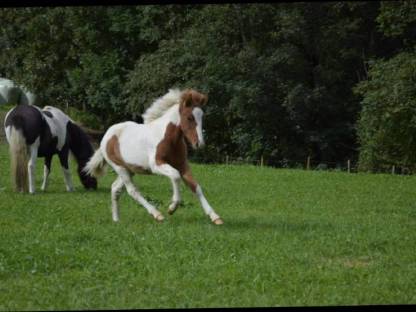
x,y
187,98
204,99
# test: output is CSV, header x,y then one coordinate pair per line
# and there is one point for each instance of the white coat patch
x,y
57,124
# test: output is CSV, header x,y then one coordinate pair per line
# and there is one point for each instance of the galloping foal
x,y
157,146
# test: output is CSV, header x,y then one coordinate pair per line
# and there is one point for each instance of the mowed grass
x,y
290,238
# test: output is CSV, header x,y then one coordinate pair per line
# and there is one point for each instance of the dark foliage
x,y
280,77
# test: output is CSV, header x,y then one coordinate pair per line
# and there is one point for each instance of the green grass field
x,y
290,238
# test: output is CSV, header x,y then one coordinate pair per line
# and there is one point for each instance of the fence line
x,y
309,163
306,164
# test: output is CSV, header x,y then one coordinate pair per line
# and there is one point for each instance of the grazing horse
x,y
33,132
157,146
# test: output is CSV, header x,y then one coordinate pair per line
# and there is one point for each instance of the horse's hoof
x,y
159,218
218,221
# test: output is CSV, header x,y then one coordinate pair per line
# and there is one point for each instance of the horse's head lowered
x,y
190,111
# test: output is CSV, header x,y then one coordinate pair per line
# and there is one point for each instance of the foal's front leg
x,y
196,189
46,171
175,177
176,197
63,158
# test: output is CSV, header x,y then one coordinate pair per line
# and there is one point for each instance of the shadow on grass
x,y
280,225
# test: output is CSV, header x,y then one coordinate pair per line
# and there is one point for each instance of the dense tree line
x,y
332,80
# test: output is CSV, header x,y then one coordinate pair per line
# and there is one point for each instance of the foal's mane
x,y
161,105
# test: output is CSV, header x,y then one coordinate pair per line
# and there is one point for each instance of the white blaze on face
x,y
198,113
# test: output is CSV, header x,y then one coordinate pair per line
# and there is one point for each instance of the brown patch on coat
x,y
172,149
113,152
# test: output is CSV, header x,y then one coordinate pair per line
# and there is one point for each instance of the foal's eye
x,y
190,118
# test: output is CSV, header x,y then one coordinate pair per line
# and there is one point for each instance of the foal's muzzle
x,y
199,144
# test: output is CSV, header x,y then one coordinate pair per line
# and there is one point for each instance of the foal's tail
x,y
96,165
19,159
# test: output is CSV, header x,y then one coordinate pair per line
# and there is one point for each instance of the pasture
x,y
290,238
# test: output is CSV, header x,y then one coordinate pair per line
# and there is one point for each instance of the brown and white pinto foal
x,y
157,146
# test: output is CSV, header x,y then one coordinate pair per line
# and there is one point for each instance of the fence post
x,y
226,159
308,163
393,169
261,161
349,166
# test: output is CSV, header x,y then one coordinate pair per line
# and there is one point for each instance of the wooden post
x,y
226,159
349,166
393,169
261,161
308,163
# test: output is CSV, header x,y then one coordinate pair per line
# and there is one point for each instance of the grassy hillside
x,y
290,237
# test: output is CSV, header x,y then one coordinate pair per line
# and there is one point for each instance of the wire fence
x,y
350,166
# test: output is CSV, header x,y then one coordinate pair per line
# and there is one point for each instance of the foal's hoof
x,y
159,218
218,221
171,211
172,208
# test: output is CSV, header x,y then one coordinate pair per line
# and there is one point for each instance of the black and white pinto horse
x,y
33,132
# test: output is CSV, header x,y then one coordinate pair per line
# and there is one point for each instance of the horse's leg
x,y
46,171
116,189
196,189
176,197
135,194
175,177
63,158
31,167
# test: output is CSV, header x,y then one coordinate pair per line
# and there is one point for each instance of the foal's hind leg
x,y
116,189
63,158
133,192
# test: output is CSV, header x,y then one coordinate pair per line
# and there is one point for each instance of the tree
x,y
387,123
279,76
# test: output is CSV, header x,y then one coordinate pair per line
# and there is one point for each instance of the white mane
x,y
161,105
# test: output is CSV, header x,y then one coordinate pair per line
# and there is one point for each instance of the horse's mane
x,y
161,105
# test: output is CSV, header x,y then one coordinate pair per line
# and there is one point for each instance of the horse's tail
x,y
19,159
96,166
